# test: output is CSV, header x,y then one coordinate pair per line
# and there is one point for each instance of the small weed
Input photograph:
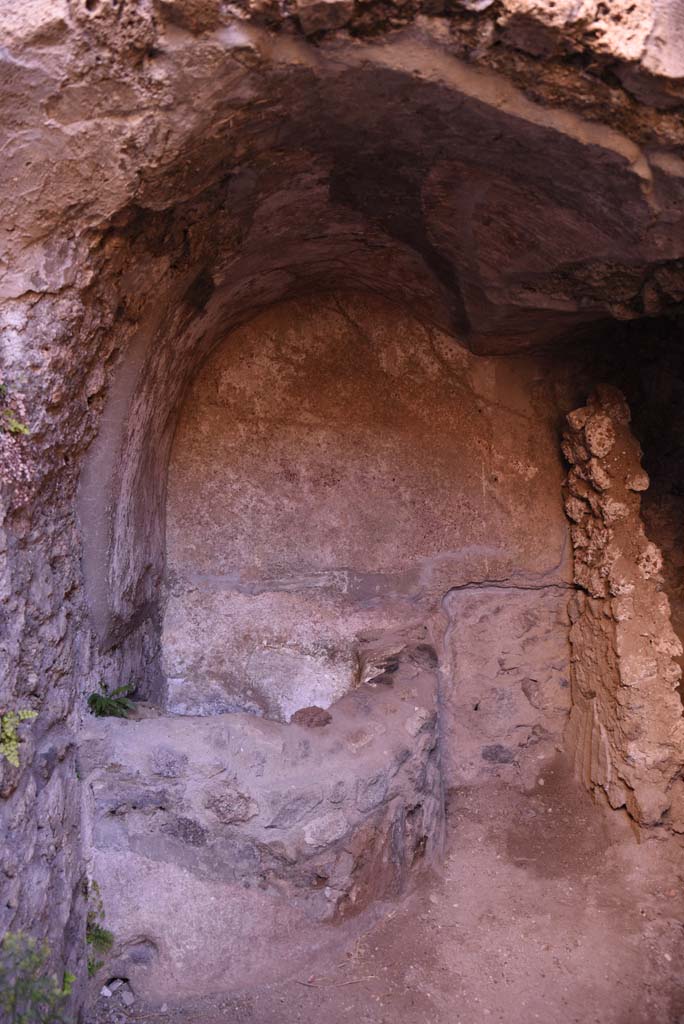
x,y
94,966
28,995
97,936
9,735
111,704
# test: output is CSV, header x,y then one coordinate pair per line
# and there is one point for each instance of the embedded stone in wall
x,y
626,724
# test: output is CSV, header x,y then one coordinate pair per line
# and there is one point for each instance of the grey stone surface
x,y
507,669
270,851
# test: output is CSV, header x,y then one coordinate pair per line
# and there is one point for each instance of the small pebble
x,y
106,992
127,997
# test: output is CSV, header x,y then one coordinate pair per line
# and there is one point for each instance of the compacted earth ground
x,y
547,908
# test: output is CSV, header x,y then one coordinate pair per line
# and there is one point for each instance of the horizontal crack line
x,y
507,584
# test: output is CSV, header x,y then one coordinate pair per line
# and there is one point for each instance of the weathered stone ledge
x,y
287,829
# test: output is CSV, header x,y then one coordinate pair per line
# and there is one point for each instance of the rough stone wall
x,y
337,468
626,722
506,696
46,654
653,382
105,91
663,516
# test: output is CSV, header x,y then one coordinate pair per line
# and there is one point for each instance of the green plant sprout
x,y
114,703
97,936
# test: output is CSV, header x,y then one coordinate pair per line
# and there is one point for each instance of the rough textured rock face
x,y
626,721
287,829
276,124
507,678
337,468
171,168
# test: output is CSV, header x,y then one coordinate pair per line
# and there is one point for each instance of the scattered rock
x,y
127,997
312,717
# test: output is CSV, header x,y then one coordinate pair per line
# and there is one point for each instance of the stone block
x,y
323,15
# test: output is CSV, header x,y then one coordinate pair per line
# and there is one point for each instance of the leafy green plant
x,y
9,733
67,983
28,993
100,938
114,703
97,936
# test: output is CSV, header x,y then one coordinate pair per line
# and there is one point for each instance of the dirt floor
x,y
548,908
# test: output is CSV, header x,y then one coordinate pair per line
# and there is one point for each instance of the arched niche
x,y
337,468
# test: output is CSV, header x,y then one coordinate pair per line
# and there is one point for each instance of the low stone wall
x,y
506,668
626,725
225,847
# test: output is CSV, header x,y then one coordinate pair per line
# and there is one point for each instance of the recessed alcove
x,y
358,558
337,467
363,519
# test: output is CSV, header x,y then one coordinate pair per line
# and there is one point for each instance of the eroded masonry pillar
x,y
626,724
